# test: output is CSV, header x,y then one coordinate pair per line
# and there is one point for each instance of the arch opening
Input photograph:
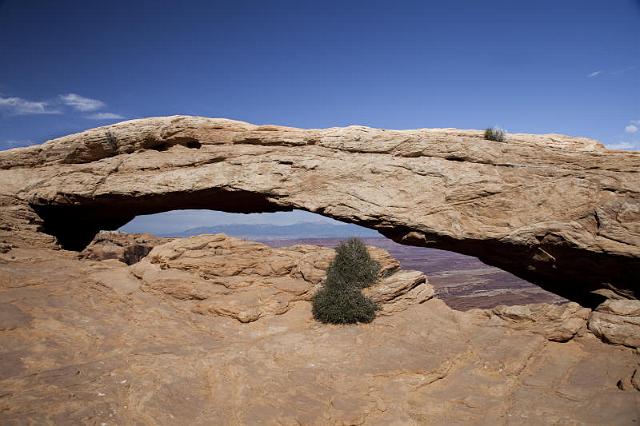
x,y
75,224
462,281
77,220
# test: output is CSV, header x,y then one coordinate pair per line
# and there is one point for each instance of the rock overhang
x,y
561,212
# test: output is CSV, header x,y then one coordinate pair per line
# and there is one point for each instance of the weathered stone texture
x,y
559,211
216,330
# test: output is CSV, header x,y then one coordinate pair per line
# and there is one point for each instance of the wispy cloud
x,y
13,143
81,103
615,72
19,106
631,128
84,104
104,116
625,145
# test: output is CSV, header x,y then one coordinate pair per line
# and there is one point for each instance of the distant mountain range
x,y
293,231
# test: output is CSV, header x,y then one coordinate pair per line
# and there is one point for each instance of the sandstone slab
x,y
558,323
91,342
617,321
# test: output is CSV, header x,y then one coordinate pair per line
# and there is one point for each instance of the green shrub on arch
x,y
341,301
495,134
353,265
347,306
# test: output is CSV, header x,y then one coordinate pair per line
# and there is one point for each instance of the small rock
x,y
127,248
617,322
558,323
635,379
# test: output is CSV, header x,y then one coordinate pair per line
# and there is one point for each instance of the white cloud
x,y
19,106
611,73
104,116
13,143
631,128
81,103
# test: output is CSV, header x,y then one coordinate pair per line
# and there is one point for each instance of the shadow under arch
x,y
75,225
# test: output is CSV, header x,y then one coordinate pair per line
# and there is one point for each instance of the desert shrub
x,y
353,265
343,306
495,134
341,301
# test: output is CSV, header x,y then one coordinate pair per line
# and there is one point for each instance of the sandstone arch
x,y
562,212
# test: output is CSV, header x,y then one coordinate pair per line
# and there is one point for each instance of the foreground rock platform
x,y
561,212
217,330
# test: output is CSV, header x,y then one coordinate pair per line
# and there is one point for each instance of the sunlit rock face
x,y
218,330
561,212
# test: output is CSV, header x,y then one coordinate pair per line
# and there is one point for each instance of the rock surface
x,y
247,281
558,323
558,211
617,321
101,342
127,248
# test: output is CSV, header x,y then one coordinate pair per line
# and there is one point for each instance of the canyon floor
x,y
217,330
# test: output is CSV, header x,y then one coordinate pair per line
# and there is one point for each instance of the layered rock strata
x,y
561,212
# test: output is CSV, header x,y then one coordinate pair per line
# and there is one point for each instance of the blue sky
x,y
570,66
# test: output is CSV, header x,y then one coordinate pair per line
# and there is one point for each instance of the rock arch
x,y
561,212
